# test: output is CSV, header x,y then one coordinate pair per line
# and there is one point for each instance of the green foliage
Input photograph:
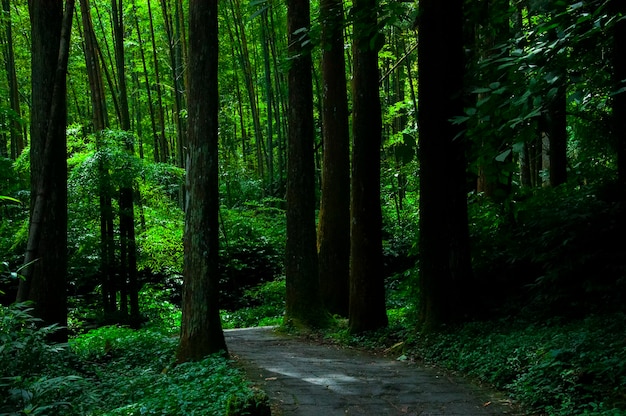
x,y
29,366
265,305
551,368
252,249
556,252
23,349
155,304
110,371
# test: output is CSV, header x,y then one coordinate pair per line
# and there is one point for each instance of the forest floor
x,y
307,377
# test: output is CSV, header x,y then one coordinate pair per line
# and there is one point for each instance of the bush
x,y
32,375
552,368
265,305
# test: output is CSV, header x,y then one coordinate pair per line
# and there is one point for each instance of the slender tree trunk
x,y
557,125
269,95
101,122
15,128
126,196
304,306
367,288
172,31
445,269
46,254
246,67
161,153
201,331
333,237
619,100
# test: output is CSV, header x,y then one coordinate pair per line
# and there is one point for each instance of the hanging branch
x,y
397,64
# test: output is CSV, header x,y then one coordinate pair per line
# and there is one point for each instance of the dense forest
x,y
449,177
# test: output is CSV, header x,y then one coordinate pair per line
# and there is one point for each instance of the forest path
x,y
305,378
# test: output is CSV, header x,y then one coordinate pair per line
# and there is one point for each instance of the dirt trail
x,y
307,379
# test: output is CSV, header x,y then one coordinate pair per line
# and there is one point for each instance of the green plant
x,y
265,305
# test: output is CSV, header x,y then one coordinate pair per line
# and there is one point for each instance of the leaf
x,y
502,156
8,198
459,119
258,12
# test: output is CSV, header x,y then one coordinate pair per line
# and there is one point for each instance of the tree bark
x,y
126,195
367,286
161,149
444,241
46,254
15,129
304,306
333,237
201,329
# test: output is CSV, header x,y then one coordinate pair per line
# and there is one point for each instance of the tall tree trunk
x,y
619,99
172,30
269,94
126,196
46,255
101,122
444,241
333,239
557,127
304,306
246,67
367,286
155,134
161,152
201,330
15,128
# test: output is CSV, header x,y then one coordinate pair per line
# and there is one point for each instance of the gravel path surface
x,y
308,379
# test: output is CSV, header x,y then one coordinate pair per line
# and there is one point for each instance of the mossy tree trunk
x,y
201,330
303,306
46,254
334,217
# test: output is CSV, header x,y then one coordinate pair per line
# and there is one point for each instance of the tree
x,y
367,286
333,238
445,267
100,121
15,129
304,304
619,99
201,330
128,251
46,253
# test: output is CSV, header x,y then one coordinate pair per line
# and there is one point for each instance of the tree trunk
x,y
201,329
101,122
246,67
619,99
126,195
161,149
15,128
367,286
46,256
304,306
333,237
557,125
444,242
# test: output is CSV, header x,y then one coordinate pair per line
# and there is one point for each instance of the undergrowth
x,y
110,370
554,368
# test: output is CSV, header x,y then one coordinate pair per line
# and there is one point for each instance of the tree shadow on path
x,y
307,379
